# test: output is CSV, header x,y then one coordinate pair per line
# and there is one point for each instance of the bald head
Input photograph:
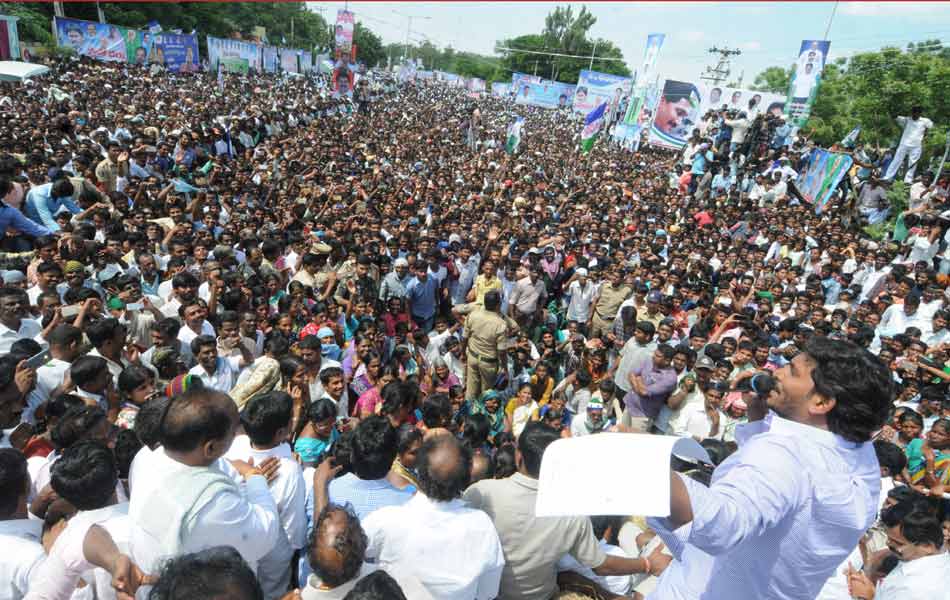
x,y
444,468
197,416
482,467
337,546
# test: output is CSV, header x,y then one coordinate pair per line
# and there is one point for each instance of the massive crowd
x,y
262,342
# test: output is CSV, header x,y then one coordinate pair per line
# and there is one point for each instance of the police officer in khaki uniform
x,y
487,344
606,303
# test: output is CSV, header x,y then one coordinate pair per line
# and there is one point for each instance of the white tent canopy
x,y
13,70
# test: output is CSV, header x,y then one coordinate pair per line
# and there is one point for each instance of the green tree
x,y
369,46
563,49
773,79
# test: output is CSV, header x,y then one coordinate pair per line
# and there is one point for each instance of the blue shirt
x,y
364,495
11,218
41,207
423,295
699,162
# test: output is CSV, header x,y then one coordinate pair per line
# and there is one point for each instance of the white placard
x,y
611,474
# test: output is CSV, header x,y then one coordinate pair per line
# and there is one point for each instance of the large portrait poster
x,y
805,79
677,114
343,35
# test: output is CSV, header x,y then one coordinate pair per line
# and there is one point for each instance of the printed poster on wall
x,y
176,52
752,102
288,60
805,80
271,59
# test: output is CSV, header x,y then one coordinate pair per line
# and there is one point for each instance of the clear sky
x,y
767,33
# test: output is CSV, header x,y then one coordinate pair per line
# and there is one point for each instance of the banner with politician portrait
x,y
288,60
752,102
593,89
805,80
99,41
547,94
677,114
822,175
343,35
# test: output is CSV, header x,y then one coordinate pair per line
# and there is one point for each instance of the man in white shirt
x,y
192,315
86,477
805,473
19,535
912,141
266,421
915,536
14,325
451,548
64,343
187,503
216,372
336,553
581,291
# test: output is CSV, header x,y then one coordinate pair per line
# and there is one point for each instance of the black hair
x,y
167,327
330,373
265,415
918,525
406,436
86,368
184,279
195,416
475,430
321,410
148,421
504,462
133,376
217,572
85,475
890,456
64,335
374,448
396,395
534,439
101,331
127,445
859,383
200,341
440,481
14,480
492,300
350,543
436,410
75,425
378,585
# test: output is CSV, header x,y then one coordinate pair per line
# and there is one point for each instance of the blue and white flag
x,y
851,139
592,126
154,27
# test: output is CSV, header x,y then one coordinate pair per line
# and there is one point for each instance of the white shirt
x,y
922,579
60,572
29,329
836,588
618,584
245,518
48,378
914,131
224,377
782,513
186,335
579,307
22,555
290,495
452,549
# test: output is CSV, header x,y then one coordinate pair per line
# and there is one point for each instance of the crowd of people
x,y
259,341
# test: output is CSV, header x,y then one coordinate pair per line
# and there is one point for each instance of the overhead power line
x,y
585,57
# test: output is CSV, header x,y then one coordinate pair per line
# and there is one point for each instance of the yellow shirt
x,y
483,285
